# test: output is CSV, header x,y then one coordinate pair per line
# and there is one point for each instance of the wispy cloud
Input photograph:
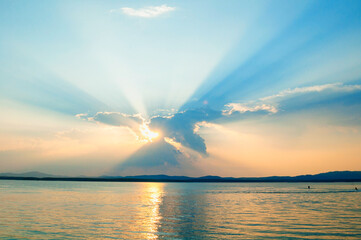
x,y
272,103
242,108
317,88
133,122
146,12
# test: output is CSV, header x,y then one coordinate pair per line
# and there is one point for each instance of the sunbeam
x,y
162,77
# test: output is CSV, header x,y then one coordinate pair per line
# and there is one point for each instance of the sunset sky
x,y
228,88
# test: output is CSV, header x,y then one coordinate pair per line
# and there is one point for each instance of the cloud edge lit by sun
x,y
145,12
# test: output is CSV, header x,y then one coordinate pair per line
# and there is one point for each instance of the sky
x,y
229,88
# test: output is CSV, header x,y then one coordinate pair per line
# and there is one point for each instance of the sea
x,y
126,210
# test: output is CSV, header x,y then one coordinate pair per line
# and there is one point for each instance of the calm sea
x,y
90,210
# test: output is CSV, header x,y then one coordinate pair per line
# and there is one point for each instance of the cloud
x,y
242,108
180,127
337,87
134,122
83,116
292,99
337,95
180,141
118,119
147,12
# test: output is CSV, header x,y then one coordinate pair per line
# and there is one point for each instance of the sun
x,y
148,135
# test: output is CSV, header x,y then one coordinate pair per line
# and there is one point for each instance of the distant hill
x,y
28,174
328,176
333,175
337,176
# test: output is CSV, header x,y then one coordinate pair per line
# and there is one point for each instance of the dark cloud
x,y
180,127
160,156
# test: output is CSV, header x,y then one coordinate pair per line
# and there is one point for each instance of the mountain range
x,y
336,176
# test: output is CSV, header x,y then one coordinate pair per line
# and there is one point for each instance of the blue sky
x,y
180,87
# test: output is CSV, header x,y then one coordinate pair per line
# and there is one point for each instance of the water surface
x,y
123,210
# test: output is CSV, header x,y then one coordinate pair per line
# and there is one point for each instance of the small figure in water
x,y
308,187
356,188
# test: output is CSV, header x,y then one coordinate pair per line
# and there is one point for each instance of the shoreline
x,y
193,180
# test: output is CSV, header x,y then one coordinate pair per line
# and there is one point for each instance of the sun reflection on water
x,y
154,197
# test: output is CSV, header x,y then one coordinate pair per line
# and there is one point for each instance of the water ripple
x,y
80,210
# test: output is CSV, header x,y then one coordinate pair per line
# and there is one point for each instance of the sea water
x,y
124,210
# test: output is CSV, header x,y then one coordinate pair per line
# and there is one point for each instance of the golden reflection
x,y
154,194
